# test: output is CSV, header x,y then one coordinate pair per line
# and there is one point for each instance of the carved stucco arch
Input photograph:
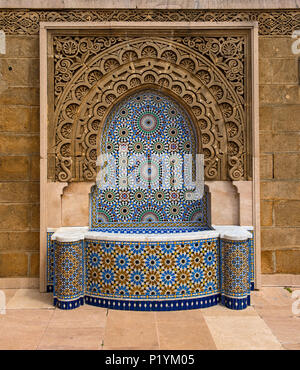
x,y
140,83
216,105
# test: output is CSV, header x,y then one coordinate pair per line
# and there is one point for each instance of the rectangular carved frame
x,y
46,71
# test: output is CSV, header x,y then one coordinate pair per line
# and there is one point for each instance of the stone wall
x,y
280,155
19,156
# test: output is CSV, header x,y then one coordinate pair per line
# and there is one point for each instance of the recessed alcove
x,y
145,245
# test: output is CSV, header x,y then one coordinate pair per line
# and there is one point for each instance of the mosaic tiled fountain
x,y
150,244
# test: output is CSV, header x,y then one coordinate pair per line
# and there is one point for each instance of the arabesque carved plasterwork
x,y
207,74
270,22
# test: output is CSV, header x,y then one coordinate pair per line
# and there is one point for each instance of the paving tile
x,y
273,302
23,329
130,329
31,322
185,315
290,346
184,335
28,317
9,293
90,307
19,338
220,310
30,299
268,311
58,338
115,317
79,318
133,336
286,329
236,333
275,296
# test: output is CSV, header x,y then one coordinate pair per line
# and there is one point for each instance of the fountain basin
x,y
170,271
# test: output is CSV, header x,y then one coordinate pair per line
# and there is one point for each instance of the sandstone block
x,y
286,118
265,118
288,262
35,216
14,216
279,94
279,142
284,71
266,166
267,262
287,166
280,238
19,95
19,241
287,213
19,144
265,71
34,265
13,264
280,190
20,72
266,213
35,168
266,142
19,192
286,141
272,47
14,168
15,118
35,119
21,46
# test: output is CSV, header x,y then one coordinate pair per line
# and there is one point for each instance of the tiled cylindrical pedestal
x,y
235,271
68,273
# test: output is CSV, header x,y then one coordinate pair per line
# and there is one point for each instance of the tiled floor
x,y
31,322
